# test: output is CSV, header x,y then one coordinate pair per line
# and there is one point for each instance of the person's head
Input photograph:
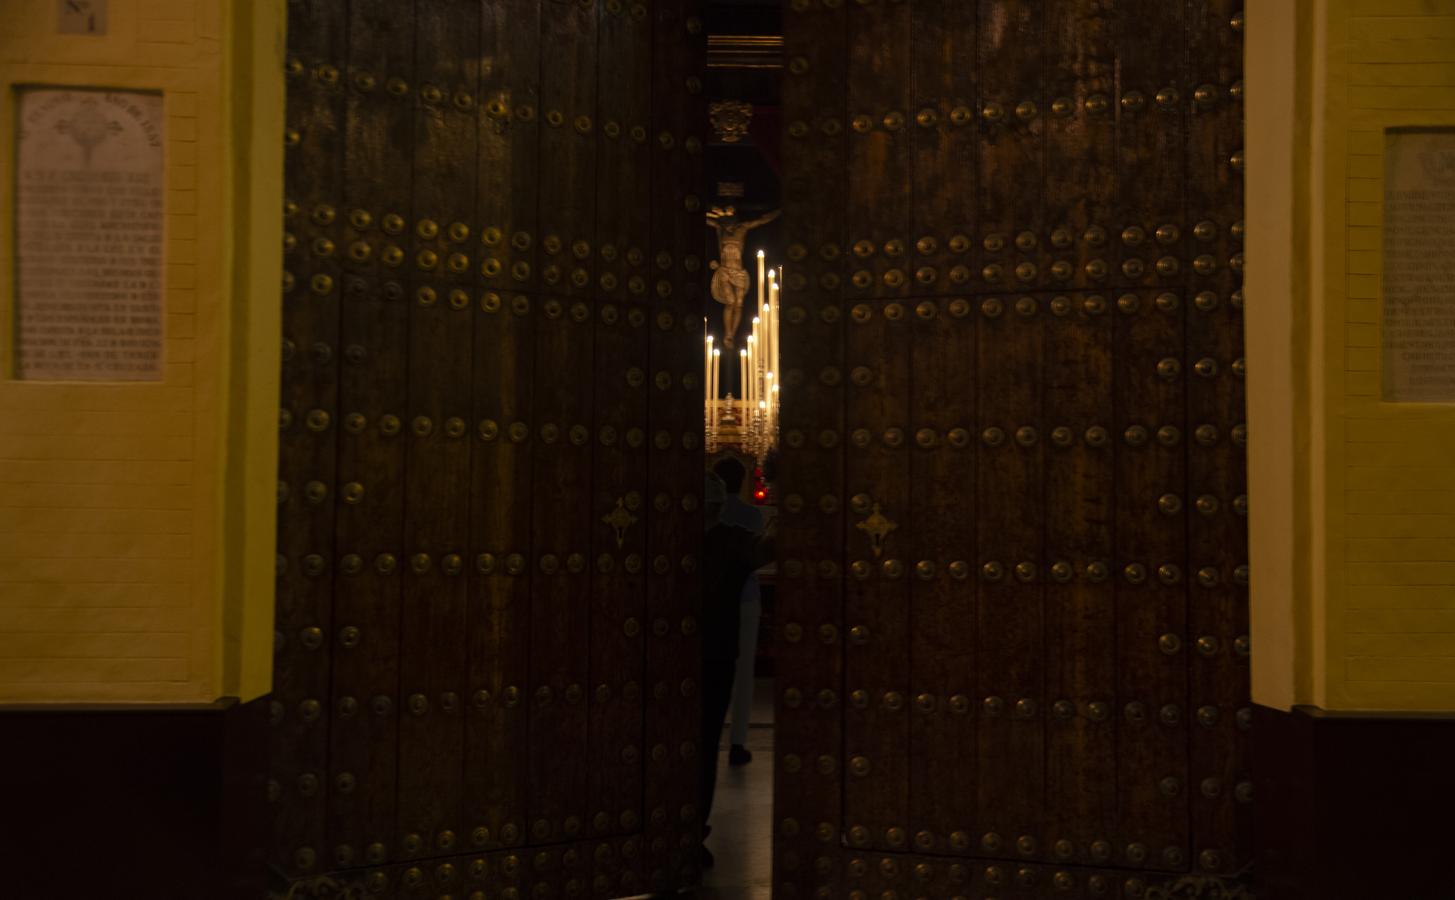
x,y
713,495
732,474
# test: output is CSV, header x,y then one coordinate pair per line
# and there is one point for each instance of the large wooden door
x,y
486,667
1014,590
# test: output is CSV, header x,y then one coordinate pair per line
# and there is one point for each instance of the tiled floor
x,y
742,815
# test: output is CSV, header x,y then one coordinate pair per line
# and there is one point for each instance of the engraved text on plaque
x,y
1419,265
89,235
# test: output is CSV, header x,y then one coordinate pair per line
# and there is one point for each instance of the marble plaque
x,y
88,185
1419,265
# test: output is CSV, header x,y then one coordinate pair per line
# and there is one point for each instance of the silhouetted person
x,y
736,511
729,555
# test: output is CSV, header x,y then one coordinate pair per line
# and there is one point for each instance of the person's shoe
x,y
739,755
706,859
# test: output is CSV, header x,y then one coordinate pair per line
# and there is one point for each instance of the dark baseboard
x,y
1354,805
136,801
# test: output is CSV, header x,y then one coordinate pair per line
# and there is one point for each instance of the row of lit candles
x,y
757,362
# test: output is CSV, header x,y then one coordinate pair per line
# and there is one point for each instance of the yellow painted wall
x,y
1390,623
1352,498
136,520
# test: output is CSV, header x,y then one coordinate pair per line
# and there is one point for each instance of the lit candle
x,y
743,386
716,375
745,375
760,277
755,360
770,308
768,388
775,306
766,329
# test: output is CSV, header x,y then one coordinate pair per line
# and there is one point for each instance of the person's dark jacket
x,y
729,555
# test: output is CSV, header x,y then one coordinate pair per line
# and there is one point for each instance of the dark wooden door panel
x,y
671,283
363,742
490,466
1216,437
308,438
876,476
810,676
1081,645
1014,354
437,451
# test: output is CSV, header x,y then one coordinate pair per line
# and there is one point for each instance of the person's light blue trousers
x,y
742,710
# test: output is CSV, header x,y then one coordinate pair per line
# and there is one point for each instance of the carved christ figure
x,y
730,279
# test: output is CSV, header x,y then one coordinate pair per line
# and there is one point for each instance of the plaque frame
x,y
11,110
1390,134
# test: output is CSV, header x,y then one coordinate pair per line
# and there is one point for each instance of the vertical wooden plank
x,y
509,114
1151,582
561,535
1013,254
620,405
944,171
617,548
1080,651
1151,460
1219,778
309,439
1009,539
1079,477
881,128
1009,525
876,607
942,777
812,699
673,823
876,602
372,401
1080,140
624,85
568,146
1151,135
436,514
562,425
942,419
496,728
